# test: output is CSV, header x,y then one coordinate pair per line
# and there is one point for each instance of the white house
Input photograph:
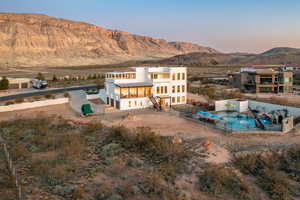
x,y
142,87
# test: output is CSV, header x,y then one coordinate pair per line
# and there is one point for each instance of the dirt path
x,y
165,124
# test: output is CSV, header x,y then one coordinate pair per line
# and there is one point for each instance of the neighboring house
x,y
142,87
262,80
19,83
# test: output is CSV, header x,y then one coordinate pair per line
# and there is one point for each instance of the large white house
x,y
142,87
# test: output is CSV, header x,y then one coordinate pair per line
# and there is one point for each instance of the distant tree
x,y
40,76
4,83
54,78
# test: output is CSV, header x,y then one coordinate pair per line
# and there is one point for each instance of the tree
x,y
54,78
40,76
4,83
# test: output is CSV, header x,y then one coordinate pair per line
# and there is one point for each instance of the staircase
x,y
155,104
259,123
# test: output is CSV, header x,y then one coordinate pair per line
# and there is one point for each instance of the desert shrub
x,y
37,98
9,103
217,180
276,184
19,100
66,95
49,96
155,147
92,128
273,171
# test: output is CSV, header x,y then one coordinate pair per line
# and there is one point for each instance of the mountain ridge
x,y
38,39
274,56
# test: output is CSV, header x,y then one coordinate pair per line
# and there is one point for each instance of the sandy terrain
x,y
168,124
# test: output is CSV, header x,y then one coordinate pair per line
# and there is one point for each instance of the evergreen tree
x,y
4,83
40,76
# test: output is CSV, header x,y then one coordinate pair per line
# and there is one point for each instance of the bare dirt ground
x,y
168,124
290,98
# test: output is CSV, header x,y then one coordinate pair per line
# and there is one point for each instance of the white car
x,y
39,84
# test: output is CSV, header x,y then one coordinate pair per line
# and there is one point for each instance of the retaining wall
x,y
36,104
268,107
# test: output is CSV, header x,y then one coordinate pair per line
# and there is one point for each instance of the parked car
x,y
39,84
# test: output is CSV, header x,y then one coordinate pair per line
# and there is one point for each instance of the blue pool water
x,y
234,121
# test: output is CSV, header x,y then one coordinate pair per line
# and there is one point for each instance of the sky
x,y
251,26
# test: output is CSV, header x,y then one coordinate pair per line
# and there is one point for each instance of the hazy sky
x,y
227,25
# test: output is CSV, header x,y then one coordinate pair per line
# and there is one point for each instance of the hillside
x,y
275,56
40,40
61,159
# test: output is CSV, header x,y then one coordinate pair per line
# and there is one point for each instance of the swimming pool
x,y
234,121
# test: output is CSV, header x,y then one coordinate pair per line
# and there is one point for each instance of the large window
x,y
173,100
178,76
183,76
178,99
157,90
161,89
141,92
124,92
173,76
178,88
173,89
133,92
136,92
166,89
148,92
183,99
183,88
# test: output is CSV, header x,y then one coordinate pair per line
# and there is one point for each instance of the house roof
x,y
137,84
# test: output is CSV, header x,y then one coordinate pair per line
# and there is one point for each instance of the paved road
x,y
44,92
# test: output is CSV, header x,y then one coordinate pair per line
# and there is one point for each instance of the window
x,y
178,99
183,88
183,99
173,77
141,103
178,88
166,89
141,92
183,76
173,89
133,92
157,90
129,104
173,100
161,89
178,76
135,103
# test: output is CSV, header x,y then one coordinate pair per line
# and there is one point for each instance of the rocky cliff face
x,y
37,40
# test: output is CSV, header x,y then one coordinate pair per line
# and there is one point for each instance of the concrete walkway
x,y
78,98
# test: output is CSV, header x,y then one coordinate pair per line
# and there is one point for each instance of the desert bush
x,y
49,96
276,184
19,100
9,103
216,180
273,171
37,98
66,95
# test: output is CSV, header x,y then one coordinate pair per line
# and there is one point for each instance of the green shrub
x,y
4,83
216,180
275,184
19,100
49,96
9,103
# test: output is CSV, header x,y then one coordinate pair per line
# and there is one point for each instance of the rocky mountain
x,y
40,40
275,56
